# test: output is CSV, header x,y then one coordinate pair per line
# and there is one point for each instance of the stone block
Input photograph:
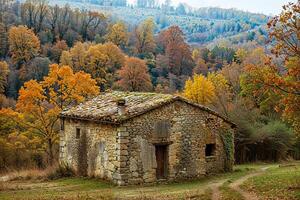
x,y
123,134
123,141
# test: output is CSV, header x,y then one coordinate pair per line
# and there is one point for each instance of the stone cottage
x,y
137,138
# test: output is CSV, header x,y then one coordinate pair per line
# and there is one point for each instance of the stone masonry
x,y
152,137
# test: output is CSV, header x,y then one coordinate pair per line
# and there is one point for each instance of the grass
x,y
229,194
277,183
86,188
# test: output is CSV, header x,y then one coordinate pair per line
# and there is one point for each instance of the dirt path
x,y
236,184
216,194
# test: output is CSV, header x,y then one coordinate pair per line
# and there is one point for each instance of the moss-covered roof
x,y
104,108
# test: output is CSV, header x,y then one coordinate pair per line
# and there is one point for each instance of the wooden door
x,y
161,160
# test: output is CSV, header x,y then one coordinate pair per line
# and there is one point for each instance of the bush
x,y
61,171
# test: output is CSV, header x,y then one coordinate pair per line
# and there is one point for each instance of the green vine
x,y
228,144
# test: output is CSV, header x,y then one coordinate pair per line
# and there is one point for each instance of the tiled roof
x,y
103,108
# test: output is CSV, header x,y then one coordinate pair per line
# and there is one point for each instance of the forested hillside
x,y
244,66
199,25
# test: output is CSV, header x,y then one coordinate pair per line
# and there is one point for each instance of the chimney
x,y
121,103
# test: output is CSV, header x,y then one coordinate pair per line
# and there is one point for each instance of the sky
x,y
258,6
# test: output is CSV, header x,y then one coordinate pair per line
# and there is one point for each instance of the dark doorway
x,y
161,152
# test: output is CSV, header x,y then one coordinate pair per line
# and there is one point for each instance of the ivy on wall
x,y
227,138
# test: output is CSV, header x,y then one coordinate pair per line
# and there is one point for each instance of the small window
x,y
77,133
210,149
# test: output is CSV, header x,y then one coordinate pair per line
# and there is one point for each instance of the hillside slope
x,y
200,26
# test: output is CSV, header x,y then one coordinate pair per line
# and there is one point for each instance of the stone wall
x,y
125,154
190,129
100,144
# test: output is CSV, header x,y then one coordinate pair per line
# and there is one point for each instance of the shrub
x,y
61,171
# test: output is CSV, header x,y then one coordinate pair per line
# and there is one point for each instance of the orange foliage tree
x,y
281,82
177,50
41,102
134,75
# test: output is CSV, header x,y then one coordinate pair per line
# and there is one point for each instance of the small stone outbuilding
x,y
136,138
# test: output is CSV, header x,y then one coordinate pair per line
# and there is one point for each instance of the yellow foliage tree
x,y
145,42
200,90
75,58
23,44
118,35
100,60
240,55
41,102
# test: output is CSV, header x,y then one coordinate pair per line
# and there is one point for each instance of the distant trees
x,y
146,3
34,13
4,71
144,36
61,23
23,45
3,41
101,61
118,35
176,62
177,50
134,76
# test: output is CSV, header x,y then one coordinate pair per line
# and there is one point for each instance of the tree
x,y
177,50
100,60
181,9
222,92
201,67
4,70
285,30
240,55
41,102
90,21
54,52
200,90
118,35
23,45
134,75
280,83
3,41
270,88
36,69
34,13
76,56
144,35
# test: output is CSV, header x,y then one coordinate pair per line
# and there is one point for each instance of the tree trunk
x,y
50,152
